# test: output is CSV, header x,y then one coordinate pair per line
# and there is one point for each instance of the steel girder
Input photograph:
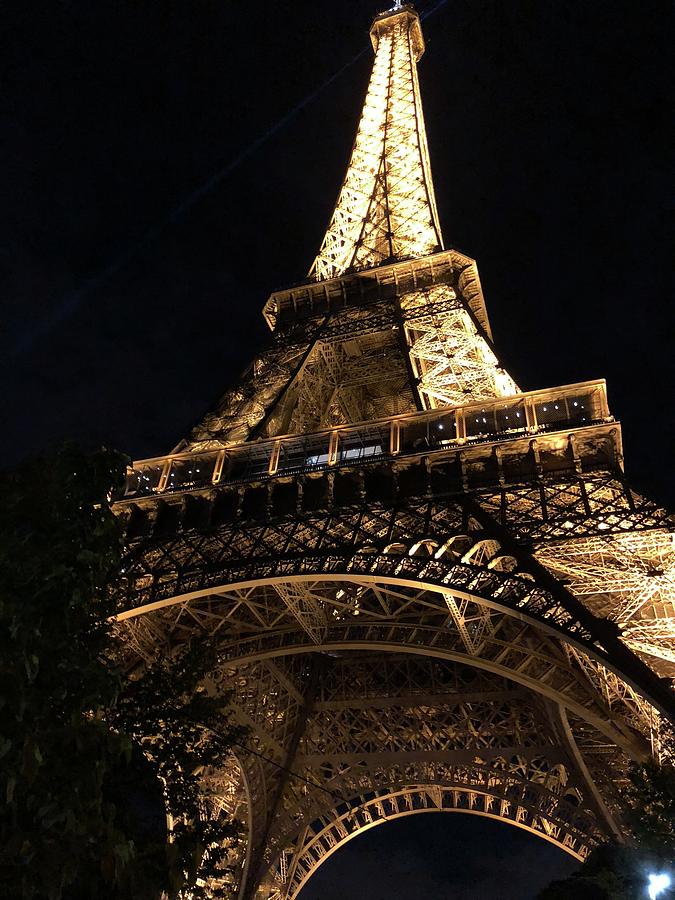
x,y
386,207
385,213
423,343
427,582
483,745
453,362
440,632
240,539
629,578
454,717
379,808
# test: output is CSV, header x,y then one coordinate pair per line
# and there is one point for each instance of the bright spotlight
x,y
658,884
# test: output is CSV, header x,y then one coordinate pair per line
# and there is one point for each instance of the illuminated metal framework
x,y
386,208
405,336
502,428
431,592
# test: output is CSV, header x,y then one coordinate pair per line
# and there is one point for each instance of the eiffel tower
x,y
431,590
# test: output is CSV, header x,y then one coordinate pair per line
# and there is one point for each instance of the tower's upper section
x,y
386,208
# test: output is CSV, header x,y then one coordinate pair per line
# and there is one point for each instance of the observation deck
x,y
512,438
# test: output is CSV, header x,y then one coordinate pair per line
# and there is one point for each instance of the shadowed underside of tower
x,y
431,591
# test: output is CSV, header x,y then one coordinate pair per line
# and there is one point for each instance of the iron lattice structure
x,y
431,590
386,209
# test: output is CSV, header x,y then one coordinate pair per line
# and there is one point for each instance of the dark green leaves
x,y
72,788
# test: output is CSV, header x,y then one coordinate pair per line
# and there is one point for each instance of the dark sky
x,y
127,311
548,127
440,856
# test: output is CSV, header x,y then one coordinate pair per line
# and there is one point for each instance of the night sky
x,y
166,165
440,856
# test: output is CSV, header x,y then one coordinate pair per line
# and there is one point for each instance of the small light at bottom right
x,y
658,884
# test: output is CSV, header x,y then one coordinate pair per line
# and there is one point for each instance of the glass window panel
x,y
191,472
306,452
552,412
587,406
134,485
147,479
316,451
291,455
580,408
442,429
236,466
365,443
258,460
510,417
414,436
480,423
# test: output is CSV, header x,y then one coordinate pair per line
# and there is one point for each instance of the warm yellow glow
x,y
386,207
630,579
453,362
384,640
340,828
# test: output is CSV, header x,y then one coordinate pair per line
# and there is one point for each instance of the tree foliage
x,y
183,731
60,548
612,872
81,744
650,798
620,872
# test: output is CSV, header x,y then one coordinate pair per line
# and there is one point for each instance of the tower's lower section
x,y
399,639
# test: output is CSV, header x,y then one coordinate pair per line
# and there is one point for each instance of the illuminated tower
x,y
432,591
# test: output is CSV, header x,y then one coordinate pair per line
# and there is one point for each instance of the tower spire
x,y
386,208
408,565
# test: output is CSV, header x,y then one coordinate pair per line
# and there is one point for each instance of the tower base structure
x,y
430,591
392,616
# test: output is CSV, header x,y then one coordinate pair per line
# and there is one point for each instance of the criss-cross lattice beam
x,y
386,207
629,578
307,608
451,359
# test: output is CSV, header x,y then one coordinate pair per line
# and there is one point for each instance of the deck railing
x,y
506,418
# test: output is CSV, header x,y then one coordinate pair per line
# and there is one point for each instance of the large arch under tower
x,y
430,590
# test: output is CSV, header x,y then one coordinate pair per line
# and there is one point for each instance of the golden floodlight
x,y
430,591
386,208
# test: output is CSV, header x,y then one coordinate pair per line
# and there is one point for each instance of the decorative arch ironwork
x,y
265,625
329,834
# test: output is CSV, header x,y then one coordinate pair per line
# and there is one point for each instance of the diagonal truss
x,y
420,578
429,596
629,578
386,208
308,608
429,591
470,795
452,360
